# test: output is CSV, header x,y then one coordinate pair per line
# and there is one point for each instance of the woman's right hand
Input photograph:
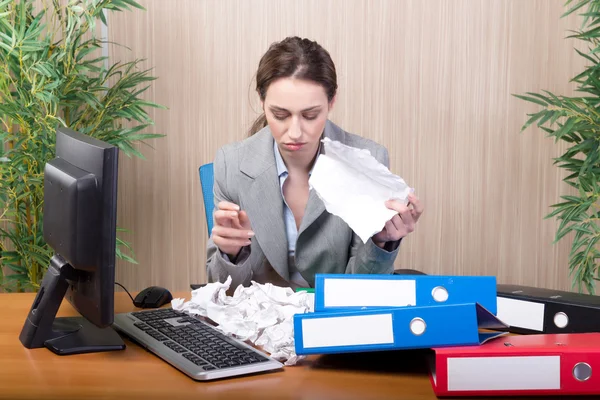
x,y
232,229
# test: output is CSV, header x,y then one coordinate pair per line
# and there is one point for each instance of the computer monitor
x,y
80,216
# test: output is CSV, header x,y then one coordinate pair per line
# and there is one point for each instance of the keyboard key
x,y
141,325
175,347
157,335
191,357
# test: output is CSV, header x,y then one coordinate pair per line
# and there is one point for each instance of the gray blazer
x,y
246,174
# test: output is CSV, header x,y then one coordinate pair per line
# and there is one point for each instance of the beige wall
x,y
431,80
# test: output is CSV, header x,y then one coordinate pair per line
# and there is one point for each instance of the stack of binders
x,y
355,313
554,350
465,321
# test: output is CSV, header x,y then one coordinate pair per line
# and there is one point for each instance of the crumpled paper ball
x,y
262,314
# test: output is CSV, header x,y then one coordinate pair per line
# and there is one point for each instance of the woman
x,y
269,227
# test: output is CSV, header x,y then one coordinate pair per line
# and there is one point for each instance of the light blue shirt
x,y
291,230
290,223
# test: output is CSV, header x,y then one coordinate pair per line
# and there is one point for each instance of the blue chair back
x,y
207,181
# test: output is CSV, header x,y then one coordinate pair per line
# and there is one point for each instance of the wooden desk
x,y
135,373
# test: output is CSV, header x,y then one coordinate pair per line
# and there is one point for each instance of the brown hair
x,y
296,58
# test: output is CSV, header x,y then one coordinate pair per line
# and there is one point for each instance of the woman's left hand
x,y
402,223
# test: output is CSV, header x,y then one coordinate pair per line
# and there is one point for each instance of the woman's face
x,y
296,112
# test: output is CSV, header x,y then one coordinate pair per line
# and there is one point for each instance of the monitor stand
x,y
65,335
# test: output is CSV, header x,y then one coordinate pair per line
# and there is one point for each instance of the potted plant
x,y
52,74
576,121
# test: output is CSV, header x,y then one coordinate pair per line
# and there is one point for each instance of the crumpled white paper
x,y
262,314
355,186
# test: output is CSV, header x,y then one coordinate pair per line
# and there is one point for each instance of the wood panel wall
x,y
430,79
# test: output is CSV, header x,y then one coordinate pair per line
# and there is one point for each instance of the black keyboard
x,y
174,335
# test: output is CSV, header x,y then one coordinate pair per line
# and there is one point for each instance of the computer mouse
x,y
152,297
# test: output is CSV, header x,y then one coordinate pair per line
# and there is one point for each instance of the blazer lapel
x,y
263,202
314,208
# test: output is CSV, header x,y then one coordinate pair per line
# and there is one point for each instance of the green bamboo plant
x,y
576,121
51,75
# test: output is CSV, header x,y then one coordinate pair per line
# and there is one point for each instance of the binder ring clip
x,y
582,371
561,320
439,294
417,326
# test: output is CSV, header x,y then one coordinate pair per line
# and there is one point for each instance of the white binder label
x,y
347,331
504,373
369,293
521,313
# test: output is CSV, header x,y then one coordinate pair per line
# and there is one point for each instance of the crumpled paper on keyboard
x,y
261,314
354,185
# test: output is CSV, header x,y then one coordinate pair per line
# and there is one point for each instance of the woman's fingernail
x,y
236,207
250,234
233,214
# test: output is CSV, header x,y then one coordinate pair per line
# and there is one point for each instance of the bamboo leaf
x,y
18,277
531,99
587,57
573,9
144,136
532,119
103,18
134,4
